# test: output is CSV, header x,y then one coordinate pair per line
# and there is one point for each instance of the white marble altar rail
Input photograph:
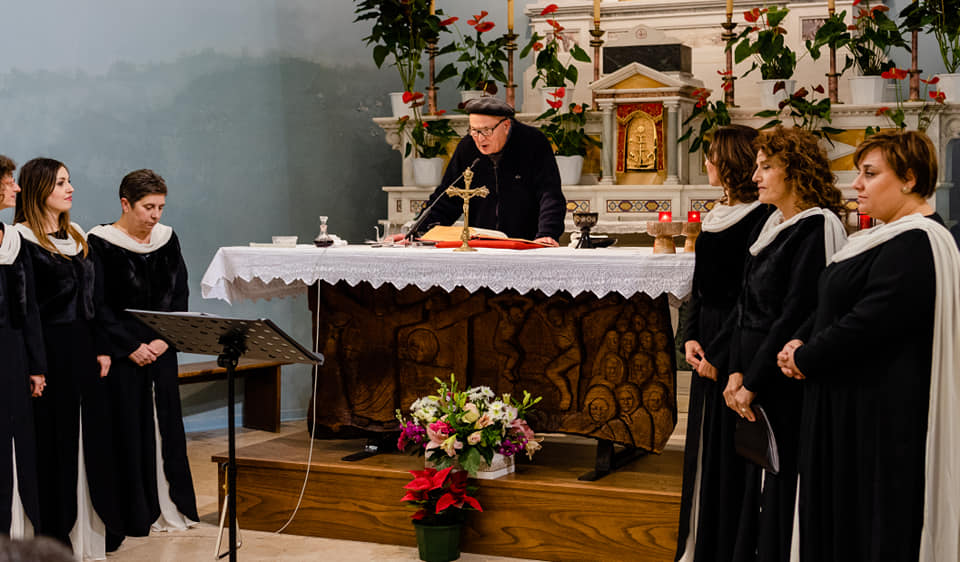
x,y
238,273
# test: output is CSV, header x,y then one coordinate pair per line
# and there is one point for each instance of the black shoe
x,y
113,541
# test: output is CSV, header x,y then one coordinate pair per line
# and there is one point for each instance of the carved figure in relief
x,y
418,368
641,367
513,312
664,367
635,417
602,408
614,371
655,402
628,344
609,346
661,341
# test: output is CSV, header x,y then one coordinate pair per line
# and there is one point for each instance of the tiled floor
x,y
199,543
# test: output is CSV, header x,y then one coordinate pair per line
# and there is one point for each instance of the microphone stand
x,y
415,227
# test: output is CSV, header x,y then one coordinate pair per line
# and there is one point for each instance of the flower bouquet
x,y
466,428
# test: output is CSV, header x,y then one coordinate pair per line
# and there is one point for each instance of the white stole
x,y
834,235
159,236
722,217
10,246
67,246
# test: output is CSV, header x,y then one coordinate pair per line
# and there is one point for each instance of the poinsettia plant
x,y
440,495
550,70
467,427
565,130
764,41
868,39
484,57
934,101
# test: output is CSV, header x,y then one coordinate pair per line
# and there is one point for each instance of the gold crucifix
x,y
466,194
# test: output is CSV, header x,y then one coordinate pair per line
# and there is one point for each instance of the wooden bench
x,y
261,401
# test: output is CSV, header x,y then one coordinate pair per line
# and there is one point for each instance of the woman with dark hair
x,y
778,294
139,266
713,472
879,458
21,347
74,449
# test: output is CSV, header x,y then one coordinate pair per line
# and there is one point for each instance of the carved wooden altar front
x,y
605,367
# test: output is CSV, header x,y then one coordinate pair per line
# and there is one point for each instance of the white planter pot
x,y
771,100
570,169
867,90
546,95
467,95
399,108
950,86
427,172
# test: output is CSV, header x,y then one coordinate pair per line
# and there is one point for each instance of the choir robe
x,y
710,464
23,354
75,394
156,280
778,294
866,400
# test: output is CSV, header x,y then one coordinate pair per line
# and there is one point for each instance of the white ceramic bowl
x,y
285,241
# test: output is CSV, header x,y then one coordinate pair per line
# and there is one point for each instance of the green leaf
x,y
446,72
770,124
767,113
579,54
380,53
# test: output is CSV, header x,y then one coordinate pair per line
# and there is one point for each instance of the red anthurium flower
x,y
439,112
780,85
855,2
556,104
537,46
818,88
882,110
485,26
939,97
931,81
482,15
448,21
411,96
559,92
577,109
752,15
727,86
851,28
724,72
404,119
895,73
755,28
557,28
880,8
801,93
551,8
472,22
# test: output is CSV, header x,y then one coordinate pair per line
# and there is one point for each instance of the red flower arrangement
x,y
441,495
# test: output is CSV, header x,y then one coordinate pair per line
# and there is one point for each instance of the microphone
x,y
426,212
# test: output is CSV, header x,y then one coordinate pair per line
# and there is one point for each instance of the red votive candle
x,y
693,216
666,216
865,221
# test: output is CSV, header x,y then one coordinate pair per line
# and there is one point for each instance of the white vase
x,y
467,95
950,86
499,466
427,172
570,169
546,94
771,100
867,90
399,108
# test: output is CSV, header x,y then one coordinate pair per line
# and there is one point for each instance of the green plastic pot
x,y
438,543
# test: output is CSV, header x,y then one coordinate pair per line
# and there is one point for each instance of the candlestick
x,y
596,43
509,16
665,216
693,216
729,9
433,7
831,6
596,10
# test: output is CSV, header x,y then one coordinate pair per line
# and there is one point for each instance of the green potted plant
x,y
868,40
566,133
942,19
483,58
552,73
711,115
427,140
441,497
402,29
806,112
933,103
764,42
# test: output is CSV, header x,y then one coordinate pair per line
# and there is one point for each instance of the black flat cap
x,y
489,105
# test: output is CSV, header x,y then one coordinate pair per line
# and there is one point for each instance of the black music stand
x,y
228,339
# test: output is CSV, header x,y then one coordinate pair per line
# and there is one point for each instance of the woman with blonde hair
x,y
74,446
879,458
778,294
712,472
22,376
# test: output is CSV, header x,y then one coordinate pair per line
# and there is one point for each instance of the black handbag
x,y
756,442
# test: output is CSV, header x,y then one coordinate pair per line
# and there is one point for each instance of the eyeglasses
x,y
485,131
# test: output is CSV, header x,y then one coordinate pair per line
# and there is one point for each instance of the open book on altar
x,y
449,237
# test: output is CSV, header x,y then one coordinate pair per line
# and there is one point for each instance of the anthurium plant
x,y
711,115
551,71
868,39
763,40
806,111
483,57
565,130
426,138
942,19
933,102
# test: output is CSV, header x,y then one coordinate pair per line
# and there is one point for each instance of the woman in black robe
x,y
22,376
777,296
712,471
876,481
77,363
139,266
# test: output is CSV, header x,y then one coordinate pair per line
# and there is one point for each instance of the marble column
x,y
672,114
609,139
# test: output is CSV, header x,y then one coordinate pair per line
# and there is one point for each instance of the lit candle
x,y
509,16
865,221
693,216
729,9
596,11
666,216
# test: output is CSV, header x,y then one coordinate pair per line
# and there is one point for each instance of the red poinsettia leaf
x,y
445,501
413,497
420,484
485,26
419,514
448,21
437,481
551,8
472,502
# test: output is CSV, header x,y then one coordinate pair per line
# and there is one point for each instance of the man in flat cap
x,y
516,163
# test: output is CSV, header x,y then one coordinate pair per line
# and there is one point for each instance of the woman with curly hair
x,y
878,452
712,471
778,294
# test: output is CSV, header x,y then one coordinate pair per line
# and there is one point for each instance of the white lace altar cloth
x,y
238,273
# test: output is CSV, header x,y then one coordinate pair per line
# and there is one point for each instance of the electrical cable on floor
x,y
316,374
